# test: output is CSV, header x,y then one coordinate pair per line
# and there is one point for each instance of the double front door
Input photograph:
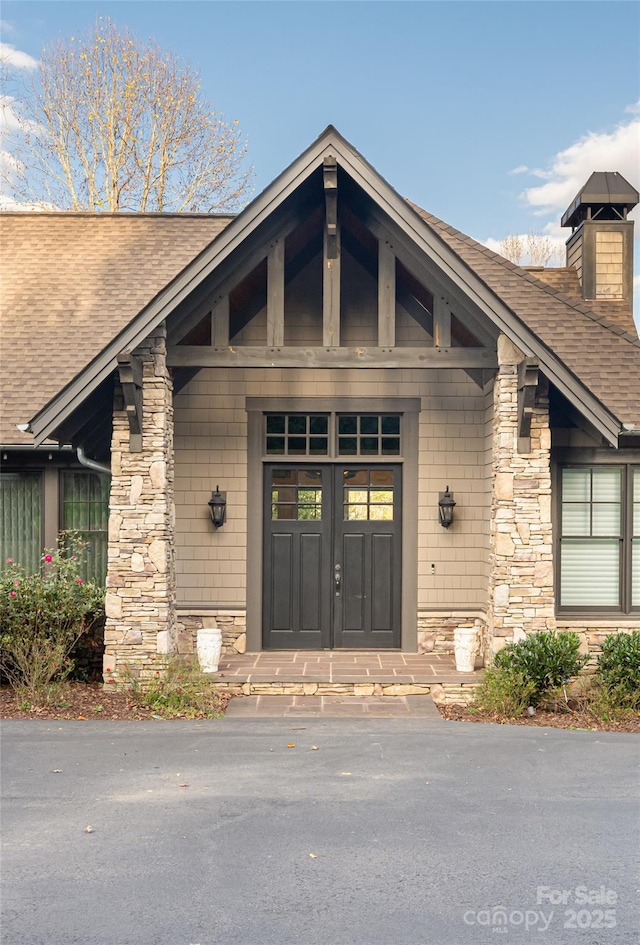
x,y
331,556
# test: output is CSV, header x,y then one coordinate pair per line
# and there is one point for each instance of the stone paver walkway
x,y
342,666
332,707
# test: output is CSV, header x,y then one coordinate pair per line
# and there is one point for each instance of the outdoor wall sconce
x,y
445,508
218,507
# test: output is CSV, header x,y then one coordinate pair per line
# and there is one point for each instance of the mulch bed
x,y
83,701
572,720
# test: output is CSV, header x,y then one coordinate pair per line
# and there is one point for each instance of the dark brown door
x,y
332,569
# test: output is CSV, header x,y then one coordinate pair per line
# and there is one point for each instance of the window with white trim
x,y
599,538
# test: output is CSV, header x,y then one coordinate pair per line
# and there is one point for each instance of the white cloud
x,y
568,170
618,150
10,56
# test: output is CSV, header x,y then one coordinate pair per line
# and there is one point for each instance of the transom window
x,y
297,434
600,538
353,434
368,435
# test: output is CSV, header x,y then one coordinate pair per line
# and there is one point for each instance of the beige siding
x,y
211,448
609,265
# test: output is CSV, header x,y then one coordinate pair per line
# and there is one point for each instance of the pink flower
x,y
48,558
16,583
79,581
12,594
108,670
9,561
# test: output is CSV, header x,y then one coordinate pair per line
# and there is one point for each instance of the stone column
x,y
140,602
521,596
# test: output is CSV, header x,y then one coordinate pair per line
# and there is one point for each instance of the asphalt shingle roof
x,y
601,350
69,284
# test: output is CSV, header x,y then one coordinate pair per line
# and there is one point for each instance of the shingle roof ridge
x,y
579,306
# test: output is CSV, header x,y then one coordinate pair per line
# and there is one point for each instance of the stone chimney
x,y
600,247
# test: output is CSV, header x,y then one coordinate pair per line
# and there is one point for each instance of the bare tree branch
x,y
117,124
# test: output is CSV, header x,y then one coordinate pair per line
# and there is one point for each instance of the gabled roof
x,y
99,284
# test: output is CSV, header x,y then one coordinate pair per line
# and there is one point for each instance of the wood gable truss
x,y
333,228
329,202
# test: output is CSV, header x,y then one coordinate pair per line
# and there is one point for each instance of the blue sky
x,y
445,99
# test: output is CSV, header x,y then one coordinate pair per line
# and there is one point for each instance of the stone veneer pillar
x,y
521,595
140,601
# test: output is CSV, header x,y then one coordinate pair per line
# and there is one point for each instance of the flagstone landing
x,y
344,672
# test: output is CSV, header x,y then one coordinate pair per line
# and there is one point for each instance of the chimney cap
x,y
604,188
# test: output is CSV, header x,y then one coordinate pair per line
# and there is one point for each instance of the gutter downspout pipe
x,y
92,463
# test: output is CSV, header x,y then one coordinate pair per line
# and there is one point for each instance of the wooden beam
x,y
275,294
386,295
330,357
331,294
441,322
130,369
220,321
426,273
330,177
527,384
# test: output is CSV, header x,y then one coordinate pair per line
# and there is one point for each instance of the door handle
x,y
337,577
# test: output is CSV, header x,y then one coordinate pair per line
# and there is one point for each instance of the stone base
x,y
233,624
449,693
435,631
593,633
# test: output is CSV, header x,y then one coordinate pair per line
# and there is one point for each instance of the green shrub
x,y
504,691
178,690
547,660
619,669
42,616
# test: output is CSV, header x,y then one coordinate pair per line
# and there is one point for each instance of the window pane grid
x,y
368,495
368,434
296,495
599,542
297,435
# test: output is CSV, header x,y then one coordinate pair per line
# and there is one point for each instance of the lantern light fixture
x,y
446,506
218,507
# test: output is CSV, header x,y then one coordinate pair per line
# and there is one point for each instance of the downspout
x,y
92,463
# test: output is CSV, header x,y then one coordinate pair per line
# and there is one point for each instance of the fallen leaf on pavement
x,y
57,770
184,784
314,856
314,748
88,829
82,718
291,745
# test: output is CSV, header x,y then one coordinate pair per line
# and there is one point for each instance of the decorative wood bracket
x,y
130,369
330,172
527,384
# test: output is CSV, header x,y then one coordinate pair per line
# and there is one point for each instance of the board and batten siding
x,y
211,450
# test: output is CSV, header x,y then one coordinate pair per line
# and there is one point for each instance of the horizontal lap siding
x,y
211,449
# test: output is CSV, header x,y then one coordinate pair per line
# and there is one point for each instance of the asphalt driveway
x,y
368,832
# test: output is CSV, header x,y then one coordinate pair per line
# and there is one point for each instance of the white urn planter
x,y
208,648
466,643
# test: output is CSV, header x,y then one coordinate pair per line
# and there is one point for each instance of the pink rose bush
x,y
42,615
